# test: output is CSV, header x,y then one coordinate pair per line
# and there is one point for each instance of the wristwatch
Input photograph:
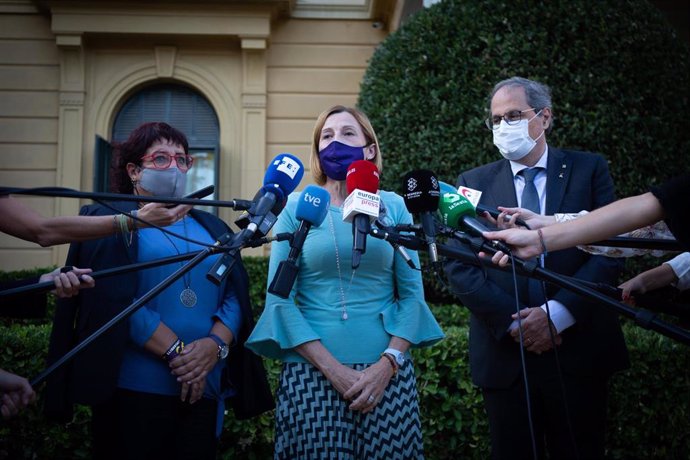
x,y
223,347
398,355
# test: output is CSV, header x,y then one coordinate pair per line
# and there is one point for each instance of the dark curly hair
x,y
131,151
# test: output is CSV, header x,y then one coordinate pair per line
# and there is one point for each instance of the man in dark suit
x,y
568,418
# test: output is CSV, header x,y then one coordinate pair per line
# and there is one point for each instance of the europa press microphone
x,y
282,177
312,208
456,211
421,192
362,204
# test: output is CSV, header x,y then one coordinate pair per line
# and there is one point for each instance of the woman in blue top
x,y
347,388
157,382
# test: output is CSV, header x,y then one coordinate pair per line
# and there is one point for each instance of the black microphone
x,y
312,209
399,249
421,193
282,177
408,241
269,219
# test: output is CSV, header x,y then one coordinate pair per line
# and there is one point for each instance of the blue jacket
x,y
91,376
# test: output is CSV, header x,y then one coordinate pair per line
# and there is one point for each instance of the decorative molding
x,y
71,98
254,101
253,43
165,60
18,6
64,41
333,9
160,21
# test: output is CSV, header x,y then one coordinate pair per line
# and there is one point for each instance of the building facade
x,y
244,80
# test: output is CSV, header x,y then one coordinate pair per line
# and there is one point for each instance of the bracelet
x,y
133,220
122,224
541,240
392,361
174,350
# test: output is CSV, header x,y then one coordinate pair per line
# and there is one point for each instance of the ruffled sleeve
x,y
281,326
409,317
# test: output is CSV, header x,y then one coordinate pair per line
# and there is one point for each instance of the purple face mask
x,y
336,157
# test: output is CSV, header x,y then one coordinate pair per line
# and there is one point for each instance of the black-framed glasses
x,y
511,118
162,160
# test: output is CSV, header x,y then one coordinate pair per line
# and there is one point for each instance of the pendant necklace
x,y
187,296
343,305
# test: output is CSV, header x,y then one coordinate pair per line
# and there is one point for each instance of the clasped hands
x,y
193,365
535,330
364,388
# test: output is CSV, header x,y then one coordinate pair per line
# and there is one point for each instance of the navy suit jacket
x,y
594,345
91,377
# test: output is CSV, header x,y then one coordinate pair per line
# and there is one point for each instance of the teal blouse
x,y
384,297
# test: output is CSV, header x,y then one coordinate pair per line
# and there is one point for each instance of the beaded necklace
x,y
343,304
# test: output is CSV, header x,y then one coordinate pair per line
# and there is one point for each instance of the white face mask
x,y
514,141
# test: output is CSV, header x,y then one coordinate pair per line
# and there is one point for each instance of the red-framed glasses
x,y
161,160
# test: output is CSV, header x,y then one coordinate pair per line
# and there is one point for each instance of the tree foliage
x,y
618,72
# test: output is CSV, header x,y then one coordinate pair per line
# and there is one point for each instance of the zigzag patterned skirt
x,y
313,420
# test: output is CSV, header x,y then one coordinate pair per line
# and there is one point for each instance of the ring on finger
x,y
371,399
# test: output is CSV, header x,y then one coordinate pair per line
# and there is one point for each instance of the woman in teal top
x,y
347,387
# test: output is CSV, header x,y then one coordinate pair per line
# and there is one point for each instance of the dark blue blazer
x,y
91,377
593,346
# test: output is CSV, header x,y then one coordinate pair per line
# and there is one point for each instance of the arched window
x,y
182,108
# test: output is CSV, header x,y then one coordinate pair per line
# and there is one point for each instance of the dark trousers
x,y
578,433
135,425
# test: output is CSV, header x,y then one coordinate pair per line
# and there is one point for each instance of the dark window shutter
x,y
182,108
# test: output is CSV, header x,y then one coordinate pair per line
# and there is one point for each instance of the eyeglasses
x,y
512,117
162,160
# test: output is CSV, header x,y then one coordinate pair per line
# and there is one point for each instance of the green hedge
x,y
619,73
649,408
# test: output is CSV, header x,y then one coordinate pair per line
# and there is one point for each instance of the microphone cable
x,y
559,371
523,361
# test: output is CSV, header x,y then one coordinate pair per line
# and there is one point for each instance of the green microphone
x,y
457,212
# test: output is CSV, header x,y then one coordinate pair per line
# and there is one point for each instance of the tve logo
x,y
312,199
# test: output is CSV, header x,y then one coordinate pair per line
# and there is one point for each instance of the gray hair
x,y
538,94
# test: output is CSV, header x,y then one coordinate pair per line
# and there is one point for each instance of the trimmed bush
x,y
453,417
619,74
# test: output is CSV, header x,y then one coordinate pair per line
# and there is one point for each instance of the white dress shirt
x,y
558,313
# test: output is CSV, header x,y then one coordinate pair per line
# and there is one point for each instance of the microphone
x,y
362,204
421,195
401,250
312,209
458,211
267,223
282,177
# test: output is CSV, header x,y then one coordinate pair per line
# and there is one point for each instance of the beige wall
x,y
64,73
29,83
311,66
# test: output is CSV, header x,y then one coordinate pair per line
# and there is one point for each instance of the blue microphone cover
x,y
313,205
284,172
